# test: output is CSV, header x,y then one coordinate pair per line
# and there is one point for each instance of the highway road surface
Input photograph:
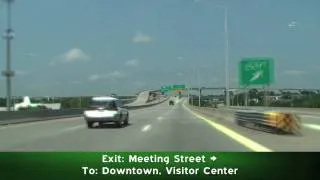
x,y
158,128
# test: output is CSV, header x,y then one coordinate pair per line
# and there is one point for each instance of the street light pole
x,y
198,79
226,55
8,73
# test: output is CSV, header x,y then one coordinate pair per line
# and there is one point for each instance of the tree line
x,y
303,98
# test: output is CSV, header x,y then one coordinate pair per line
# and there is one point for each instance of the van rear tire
x,y
90,124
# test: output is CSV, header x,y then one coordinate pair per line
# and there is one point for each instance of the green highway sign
x,y
256,71
165,89
178,87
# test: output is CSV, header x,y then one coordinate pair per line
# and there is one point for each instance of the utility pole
x,y
9,35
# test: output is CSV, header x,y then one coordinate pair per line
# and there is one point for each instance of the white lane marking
x,y
146,128
309,116
304,112
312,126
232,134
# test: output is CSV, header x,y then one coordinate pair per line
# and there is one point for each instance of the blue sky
x,y
87,47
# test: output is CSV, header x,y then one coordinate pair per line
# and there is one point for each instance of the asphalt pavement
x,y
308,140
158,128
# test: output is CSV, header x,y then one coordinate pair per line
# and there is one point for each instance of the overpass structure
x,y
141,99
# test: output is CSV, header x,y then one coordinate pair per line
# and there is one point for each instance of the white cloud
x,y
31,54
76,82
52,63
139,83
71,56
294,72
21,73
141,38
180,58
292,24
133,63
95,77
215,80
115,75
179,74
234,79
74,55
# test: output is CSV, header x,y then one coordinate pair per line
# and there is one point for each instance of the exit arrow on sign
x,y
256,75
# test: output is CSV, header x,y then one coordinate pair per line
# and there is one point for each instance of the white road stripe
x,y
309,116
232,134
312,126
146,128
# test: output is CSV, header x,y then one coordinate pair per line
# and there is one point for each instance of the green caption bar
x,y
139,165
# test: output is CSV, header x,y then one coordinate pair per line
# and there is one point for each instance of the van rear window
x,y
106,104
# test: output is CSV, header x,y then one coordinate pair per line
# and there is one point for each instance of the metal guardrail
x,y
293,109
15,117
276,121
272,121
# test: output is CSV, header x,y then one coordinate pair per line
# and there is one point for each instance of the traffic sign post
x,y
246,93
257,71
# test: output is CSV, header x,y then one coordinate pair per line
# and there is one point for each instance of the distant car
x,y
171,102
106,110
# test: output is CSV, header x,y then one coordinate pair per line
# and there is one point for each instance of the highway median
x,y
16,117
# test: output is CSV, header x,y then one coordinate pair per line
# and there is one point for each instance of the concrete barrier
x,y
307,111
16,117
275,121
271,121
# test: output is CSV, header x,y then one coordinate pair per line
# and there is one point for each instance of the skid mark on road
x,y
254,146
310,116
